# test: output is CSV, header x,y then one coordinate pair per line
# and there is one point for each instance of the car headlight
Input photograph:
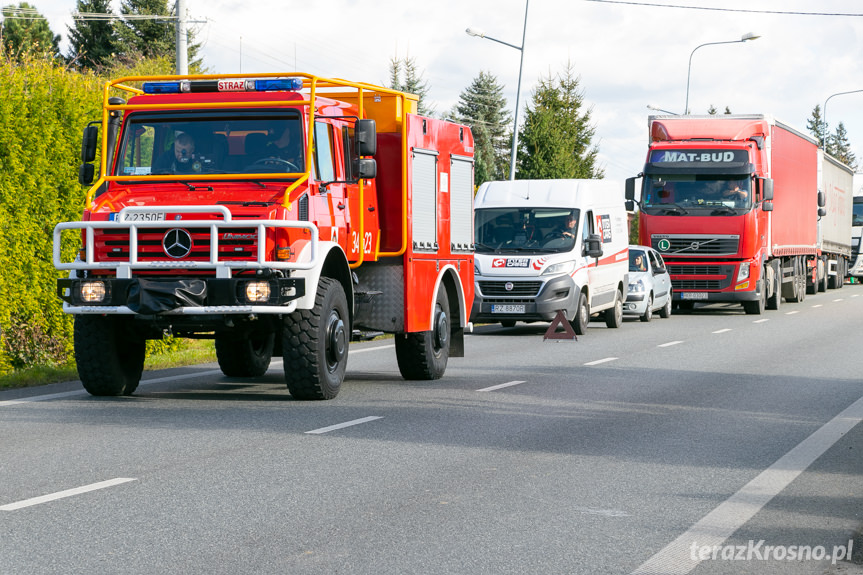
x,y
743,272
559,268
637,287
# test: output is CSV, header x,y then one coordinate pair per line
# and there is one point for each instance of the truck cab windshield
x,y
534,230
857,220
212,142
696,195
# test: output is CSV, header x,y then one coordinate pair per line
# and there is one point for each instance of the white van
x,y
532,259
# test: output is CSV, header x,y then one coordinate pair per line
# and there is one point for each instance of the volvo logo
x,y
177,243
695,245
508,286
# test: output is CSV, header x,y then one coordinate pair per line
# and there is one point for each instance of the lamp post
x,y
652,107
824,118
481,34
744,38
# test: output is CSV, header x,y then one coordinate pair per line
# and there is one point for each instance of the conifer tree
x,y
482,106
93,41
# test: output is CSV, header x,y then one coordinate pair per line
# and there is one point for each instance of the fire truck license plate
x,y
145,217
499,308
693,295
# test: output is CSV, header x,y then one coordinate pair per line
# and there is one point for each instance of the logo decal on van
x,y
510,263
539,262
603,226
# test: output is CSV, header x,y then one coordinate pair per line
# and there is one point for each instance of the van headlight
x,y
559,268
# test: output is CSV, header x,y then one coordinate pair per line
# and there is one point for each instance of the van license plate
x,y
693,295
499,308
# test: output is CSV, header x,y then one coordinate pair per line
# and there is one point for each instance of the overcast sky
x,y
628,54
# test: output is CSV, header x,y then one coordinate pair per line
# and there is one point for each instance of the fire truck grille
x,y
516,289
694,246
156,244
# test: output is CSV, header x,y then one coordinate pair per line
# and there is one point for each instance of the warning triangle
x,y
560,320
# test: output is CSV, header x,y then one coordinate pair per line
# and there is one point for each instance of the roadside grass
x,y
192,353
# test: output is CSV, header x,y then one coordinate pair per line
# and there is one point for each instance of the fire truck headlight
x,y
257,292
93,292
743,272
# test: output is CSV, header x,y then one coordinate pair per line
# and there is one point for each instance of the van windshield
x,y
536,230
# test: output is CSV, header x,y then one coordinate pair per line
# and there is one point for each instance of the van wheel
x,y
315,344
248,356
109,355
614,316
424,355
648,313
582,316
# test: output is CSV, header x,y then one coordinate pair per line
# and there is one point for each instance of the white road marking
x,y
722,330
715,527
343,425
792,312
760,320
390,346
501,386
598,361
839,299
819,305
67,493
669,344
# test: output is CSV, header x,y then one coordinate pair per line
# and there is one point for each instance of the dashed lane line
x,y
66,493
351,423
501,386
599,361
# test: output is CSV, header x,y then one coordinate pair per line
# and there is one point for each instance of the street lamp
x,y
481,34
824,118
652,107
744,38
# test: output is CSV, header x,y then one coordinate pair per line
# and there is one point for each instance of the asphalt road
x,y
669,447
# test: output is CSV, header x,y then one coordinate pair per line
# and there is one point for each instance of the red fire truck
x,y
280,215
708,206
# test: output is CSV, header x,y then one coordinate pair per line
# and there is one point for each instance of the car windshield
x,y
228,142
696,195
637,261
535,230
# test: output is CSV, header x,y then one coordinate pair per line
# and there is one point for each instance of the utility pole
x,y
182,39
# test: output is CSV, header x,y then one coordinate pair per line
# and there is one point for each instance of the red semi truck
x,y
280,215
743,209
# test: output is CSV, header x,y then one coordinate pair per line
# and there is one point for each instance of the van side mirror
x,y
88,143
366,169
593,246
365,133
767,190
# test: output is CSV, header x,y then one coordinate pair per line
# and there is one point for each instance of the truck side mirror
x,y
85,174
630,205
366,169
822,201
365,133
822,212
630,190
88,143
593,246
767,206
767,190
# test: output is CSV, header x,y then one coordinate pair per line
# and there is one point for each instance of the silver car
x,y
649,284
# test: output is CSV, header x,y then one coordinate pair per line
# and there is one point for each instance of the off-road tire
x,y
248,356
424,355
315,344
110,356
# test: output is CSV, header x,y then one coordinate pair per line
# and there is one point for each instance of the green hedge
x,y
43,109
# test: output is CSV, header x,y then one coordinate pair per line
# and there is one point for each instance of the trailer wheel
x,y
110,356
315,344
247,356
614,316
822,283
424,355
582,316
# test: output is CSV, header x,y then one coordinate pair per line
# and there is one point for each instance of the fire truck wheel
x,y
247,356
315,344
110,357
582,316
424,355
614,316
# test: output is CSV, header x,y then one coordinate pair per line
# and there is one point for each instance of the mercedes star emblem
x,y
177,243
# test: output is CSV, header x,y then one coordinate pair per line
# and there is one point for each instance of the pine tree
x,y
152,37
93,42
412,82
712,110
482,107
839,147
816,126
556,138
26,32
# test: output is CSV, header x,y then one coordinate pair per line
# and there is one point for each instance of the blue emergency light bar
x,y
231,85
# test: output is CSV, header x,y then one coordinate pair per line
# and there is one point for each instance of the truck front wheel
x,y
247,356
315,344
424,355
110,356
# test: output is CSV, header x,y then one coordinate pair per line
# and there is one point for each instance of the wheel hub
x,y
441,330
336,341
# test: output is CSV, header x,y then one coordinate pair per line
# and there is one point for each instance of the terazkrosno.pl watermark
x,y
759,551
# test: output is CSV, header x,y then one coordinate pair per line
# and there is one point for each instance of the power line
x,y
739,10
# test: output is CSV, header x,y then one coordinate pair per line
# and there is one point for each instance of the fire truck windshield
x,y
696,195
212,142
536,230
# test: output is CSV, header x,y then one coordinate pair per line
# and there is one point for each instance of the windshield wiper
x,y
724,211
673,209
